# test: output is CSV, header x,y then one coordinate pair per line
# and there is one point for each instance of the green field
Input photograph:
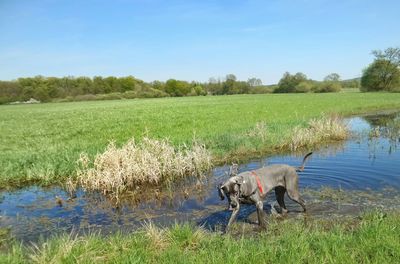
x,y
41,143
372,239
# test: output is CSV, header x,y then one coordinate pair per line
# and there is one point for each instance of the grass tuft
x,y
158,237
53,252
260,131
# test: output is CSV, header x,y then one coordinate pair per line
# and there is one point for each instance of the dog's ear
x,y
221,191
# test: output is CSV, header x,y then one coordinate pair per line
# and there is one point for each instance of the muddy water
x,y
340,180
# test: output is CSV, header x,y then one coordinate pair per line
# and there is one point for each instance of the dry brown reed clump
x,y
318,130
150,162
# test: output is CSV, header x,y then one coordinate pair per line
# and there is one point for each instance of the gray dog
x,y
251,187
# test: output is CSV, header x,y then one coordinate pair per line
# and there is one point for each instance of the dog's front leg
x,y
260,214
233,217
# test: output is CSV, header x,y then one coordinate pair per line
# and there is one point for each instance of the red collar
x,y
258,182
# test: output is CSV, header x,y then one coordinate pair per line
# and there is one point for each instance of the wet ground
x,y
340,180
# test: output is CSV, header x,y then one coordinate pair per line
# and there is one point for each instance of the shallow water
x,y
364,173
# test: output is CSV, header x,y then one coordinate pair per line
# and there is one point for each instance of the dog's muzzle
x,y
232,205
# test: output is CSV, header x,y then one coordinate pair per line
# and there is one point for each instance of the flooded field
x,y
340,180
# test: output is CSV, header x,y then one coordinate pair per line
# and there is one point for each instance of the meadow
x,y
41,143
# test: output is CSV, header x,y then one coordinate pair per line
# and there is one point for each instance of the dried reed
x,y
150,162
318,130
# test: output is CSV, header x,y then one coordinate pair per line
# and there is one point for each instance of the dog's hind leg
x,y
280,195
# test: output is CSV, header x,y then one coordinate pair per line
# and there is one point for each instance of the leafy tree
x,y
198,90
231,77
331,84
214,86
333,77
127,83
253,82
288,82
99,85
389,54
383,74
158,85
177,88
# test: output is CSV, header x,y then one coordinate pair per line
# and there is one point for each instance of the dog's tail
x,y
301,168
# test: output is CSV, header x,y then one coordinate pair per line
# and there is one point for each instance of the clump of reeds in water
x,y
318,130
149,162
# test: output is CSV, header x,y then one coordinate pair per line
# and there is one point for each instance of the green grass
x,y
372,239
350,90
41,143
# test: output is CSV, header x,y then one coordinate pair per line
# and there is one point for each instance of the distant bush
x,y
150,93
303,87
261,90
86,97
328,87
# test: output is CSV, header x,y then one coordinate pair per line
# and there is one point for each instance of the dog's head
x,y
233,170
231,189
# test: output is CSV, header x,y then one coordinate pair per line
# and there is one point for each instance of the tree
x,y
253,82
383,74
331,83
177,88
127,83
228,85
231,77
333,77
389,54
158,85
288,82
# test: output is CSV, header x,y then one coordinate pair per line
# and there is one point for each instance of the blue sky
x,y
193,40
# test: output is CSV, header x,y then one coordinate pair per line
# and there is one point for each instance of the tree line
x,y
382,74
70,88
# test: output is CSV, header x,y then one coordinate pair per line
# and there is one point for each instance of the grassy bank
x,y
373,238
41,143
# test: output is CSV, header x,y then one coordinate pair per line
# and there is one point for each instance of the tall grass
x,y
40,143
372,238
318,130
149,162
